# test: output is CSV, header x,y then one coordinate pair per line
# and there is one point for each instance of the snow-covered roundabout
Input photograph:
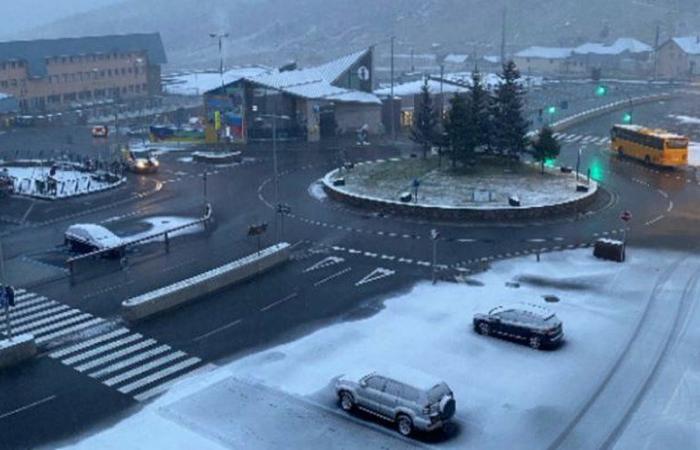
x,y
429,188
50,181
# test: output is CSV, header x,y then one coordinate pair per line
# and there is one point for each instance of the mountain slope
x,y
272,31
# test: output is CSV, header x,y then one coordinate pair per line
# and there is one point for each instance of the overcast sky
x,y
27,14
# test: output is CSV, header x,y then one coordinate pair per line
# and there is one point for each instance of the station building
x,y
303,104
56,74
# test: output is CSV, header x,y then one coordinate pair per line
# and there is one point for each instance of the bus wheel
x,y
647,161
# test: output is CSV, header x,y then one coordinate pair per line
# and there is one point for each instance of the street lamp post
x,y
220,37
434,235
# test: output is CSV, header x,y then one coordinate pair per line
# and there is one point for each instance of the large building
x,y
306,104
55,74
625,55
679,58
548,61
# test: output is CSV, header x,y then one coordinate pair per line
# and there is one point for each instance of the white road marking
x,y
16,321
114,356
653,221
145,395
26,407
158,375
129,374
217,330
326,262
335,275
129,361
102,349
273,304
88,343
69,330
16,313
39,323
375,275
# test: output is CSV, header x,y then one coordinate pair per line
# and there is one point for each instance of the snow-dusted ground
x,y
70,182
161,224
159,148
505,392
688,120
387,180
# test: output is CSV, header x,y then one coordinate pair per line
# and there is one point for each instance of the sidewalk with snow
x,y
505,392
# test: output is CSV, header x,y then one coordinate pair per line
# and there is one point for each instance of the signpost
x,y
283,209
416,185
257,231
625,216
434,235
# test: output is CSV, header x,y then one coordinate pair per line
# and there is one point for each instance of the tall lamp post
x,y
220,37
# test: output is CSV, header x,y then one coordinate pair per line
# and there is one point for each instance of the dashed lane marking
x,y
331,277
326,262
376,274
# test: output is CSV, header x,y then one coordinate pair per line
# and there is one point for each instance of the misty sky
x,y
27,14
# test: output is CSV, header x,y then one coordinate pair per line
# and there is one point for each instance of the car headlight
x,y
140,164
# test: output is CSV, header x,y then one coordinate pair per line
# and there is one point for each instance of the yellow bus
x,y
653,146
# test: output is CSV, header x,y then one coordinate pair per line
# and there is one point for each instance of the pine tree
x,y
480,114
425,120
545,146
456,126
510,126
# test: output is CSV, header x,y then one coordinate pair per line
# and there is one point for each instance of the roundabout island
x,y
493,189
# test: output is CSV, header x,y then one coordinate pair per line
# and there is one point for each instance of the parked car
x,y
531,324
88,237
100,131
426,406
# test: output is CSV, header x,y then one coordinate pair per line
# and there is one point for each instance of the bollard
x,y
167,243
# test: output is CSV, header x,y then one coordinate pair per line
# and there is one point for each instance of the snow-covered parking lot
x,y
506,393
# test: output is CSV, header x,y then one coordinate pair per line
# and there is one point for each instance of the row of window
x,y
89,95
641,139
94,75
11,65
86,58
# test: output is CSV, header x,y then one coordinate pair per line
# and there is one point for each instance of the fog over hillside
x,y
271,31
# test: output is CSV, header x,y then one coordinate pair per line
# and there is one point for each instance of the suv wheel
x,y
346,401
535,342
404,424
484,329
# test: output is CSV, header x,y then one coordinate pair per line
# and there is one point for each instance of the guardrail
x,y
121,248
198,286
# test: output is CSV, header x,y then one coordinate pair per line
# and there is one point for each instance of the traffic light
x,y
601,90
551,109
627,117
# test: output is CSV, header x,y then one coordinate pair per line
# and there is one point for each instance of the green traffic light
x,y
551,109
627,118
601,90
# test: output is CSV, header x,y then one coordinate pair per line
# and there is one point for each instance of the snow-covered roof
x,y
454,58
689,44
493,59
4,96
316,82
92,234
414,88
618,47
545,52
196,83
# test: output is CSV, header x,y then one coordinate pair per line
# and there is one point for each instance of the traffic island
x,y
217,157
429,188
185,291
16,350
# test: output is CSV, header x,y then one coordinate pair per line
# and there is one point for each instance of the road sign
x,y
257,230
363,73
434,234
626,216
283,208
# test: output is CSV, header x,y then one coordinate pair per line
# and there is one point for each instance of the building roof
x,y
414,88
618,47
689,44
454,58
196,83
545,52
316,82
36,52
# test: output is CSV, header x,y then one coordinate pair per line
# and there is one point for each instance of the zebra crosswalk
x,y
581,139
121,359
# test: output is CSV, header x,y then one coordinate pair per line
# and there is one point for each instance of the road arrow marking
x,y
326,262
377,274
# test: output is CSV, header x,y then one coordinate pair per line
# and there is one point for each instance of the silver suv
x,y
425,408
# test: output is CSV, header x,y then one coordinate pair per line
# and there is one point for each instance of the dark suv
x,y
531,324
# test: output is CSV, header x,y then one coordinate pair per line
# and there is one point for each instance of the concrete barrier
x,y
19,349
184,291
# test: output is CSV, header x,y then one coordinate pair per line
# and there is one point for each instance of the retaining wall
x,y
19,349
185,291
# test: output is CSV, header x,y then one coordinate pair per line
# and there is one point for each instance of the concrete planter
x,y
19,349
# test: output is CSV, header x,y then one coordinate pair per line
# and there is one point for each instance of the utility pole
x,y
442,94
220,37
503,35
434,235
391,101
657,37
3,294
